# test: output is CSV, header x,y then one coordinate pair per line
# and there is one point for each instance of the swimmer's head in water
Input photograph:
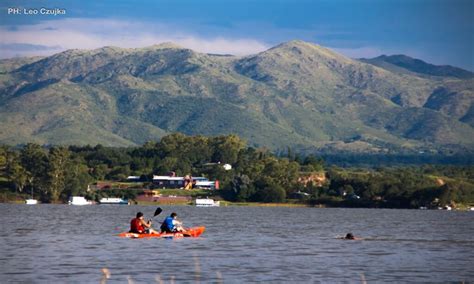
x,y
349,236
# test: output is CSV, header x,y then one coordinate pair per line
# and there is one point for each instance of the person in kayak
x,y
171,224
139,226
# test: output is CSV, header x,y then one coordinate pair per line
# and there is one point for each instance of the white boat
x,y
31,201
78,200
113,200
206,202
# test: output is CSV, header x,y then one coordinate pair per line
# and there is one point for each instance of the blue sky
x,y
437,31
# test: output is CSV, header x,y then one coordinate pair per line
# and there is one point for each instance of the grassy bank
x,y
7,196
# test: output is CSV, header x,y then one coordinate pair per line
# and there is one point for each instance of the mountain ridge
x,y
402,63
294,94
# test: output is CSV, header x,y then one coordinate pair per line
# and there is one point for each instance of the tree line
x,y
402,187
57,172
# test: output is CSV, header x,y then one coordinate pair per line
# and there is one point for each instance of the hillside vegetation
x,y
296,94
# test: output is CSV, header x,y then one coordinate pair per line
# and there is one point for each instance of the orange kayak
x,y
193,232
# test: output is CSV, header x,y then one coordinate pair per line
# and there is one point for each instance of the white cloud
x,y
82,33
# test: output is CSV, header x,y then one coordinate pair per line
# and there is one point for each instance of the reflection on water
x,y
61,243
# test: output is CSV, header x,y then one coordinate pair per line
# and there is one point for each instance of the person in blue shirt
x,y
171,224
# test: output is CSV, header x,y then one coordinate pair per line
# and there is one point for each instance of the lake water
x,y
62,243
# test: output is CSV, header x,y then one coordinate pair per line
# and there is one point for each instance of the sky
x,y
436,31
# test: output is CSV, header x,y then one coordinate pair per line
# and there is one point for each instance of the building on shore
x,y
172,181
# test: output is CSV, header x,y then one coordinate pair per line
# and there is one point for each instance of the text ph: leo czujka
x,y
41,11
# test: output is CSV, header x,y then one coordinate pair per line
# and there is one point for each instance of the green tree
x,y
315,163
167,164
268,190
34,161
3,157
282,171
56,171
226,148
271,193
77,177
99,171
242,187
18,176
119,173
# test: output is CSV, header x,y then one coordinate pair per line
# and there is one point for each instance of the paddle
x,y
157,211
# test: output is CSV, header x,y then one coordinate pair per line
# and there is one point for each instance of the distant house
x,y
179,182
168,182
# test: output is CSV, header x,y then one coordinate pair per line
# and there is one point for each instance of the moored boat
x,y
207,202
31,200
78,200
113,200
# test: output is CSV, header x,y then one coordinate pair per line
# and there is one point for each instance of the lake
x,y
65,243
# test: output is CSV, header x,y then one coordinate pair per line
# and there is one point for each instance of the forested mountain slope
x,y
295,94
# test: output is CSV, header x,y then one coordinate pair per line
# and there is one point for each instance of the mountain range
x,y
296,94
407,65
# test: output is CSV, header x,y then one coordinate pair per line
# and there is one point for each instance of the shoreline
x,y
463,208
224,203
